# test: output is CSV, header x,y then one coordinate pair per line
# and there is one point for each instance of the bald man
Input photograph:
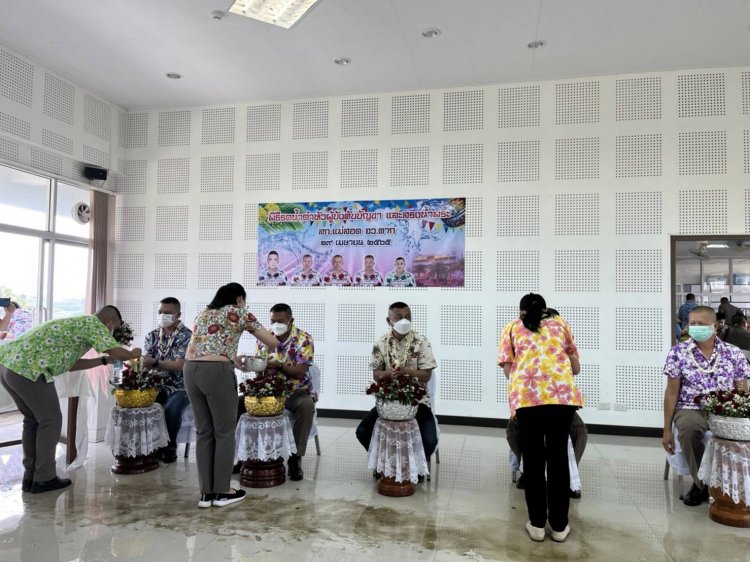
x,y
28,366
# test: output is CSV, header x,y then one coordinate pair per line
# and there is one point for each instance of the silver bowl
x,y
394,410
734,429
255,363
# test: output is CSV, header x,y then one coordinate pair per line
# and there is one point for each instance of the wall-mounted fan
x,y
701,251
81,213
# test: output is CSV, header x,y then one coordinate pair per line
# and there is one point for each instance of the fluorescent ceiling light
x,y
284,13
720,245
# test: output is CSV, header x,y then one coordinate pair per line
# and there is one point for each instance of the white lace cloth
x,y
263,438
397,451
133,432
726,465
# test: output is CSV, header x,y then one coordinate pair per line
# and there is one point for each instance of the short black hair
x,y
171,300
690,297
720,315
397,305
738,319
307,256
282,307
399,258
273,253
369,256
337,256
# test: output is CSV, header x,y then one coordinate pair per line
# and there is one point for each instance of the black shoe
x,y
420,478
169,456
26,484
521,484
696,495
295,470
206,500
376,475
237,467
228,499
575,494
49,485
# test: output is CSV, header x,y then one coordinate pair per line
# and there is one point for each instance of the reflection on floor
x,y
469,511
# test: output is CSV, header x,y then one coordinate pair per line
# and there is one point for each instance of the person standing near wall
x,y
540,358
212,388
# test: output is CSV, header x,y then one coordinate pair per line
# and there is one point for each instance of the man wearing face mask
x,y
292,358
28,366
403,351
164,349
701,364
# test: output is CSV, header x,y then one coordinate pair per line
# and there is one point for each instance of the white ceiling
x,y
122,48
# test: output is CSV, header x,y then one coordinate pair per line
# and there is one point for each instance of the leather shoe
x,y
169,456
575,494
295,470
49,485
26,484
237,467
696,495
521,484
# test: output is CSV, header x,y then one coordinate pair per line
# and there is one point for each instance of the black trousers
x,y
425,420
544,445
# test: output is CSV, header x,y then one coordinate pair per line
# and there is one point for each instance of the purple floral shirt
x,y
698,375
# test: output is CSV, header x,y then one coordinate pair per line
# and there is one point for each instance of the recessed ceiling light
x,y
431,32
284,13
174,75
536,44
342,61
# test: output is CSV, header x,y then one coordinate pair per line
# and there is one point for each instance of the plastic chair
x,y
575,478
187,432
314,371
432,391
677,459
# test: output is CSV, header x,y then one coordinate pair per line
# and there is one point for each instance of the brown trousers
x,y
691,427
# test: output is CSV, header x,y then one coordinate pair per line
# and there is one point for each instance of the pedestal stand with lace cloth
x,y
396,453
134,434
263,443
725,469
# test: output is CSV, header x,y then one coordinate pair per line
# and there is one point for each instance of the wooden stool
x,y
134,465
262,474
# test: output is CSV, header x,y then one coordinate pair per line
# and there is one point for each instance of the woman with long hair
x,y
540,358
212,388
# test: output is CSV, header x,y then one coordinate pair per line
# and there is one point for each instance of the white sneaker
x,y
206,500
562,535
535,533
228,499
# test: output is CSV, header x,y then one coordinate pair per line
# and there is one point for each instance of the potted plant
x,y
728,413
137,387
397,397
265,395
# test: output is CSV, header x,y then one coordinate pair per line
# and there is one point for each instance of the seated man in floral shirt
x,y
403,351
272,275
165,349
399,277
307,276
694,367
368,277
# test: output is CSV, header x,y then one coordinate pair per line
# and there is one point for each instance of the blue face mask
x,y
701,333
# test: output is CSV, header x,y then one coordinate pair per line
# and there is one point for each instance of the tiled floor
x,y
469,511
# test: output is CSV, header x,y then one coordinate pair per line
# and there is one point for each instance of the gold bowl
x,y
135,398
265,405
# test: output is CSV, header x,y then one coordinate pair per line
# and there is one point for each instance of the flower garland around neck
x,y
399,358
711,366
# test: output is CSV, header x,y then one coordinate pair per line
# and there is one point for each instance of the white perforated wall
x,y
573,188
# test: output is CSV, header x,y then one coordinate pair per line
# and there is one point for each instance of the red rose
x,y
326,279
213,328
233,316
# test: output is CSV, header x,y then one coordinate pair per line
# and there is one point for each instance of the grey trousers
x,y
579,435
301,405
42,422
691,427
212,390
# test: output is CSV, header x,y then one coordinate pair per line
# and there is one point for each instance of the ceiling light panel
x,y
284,13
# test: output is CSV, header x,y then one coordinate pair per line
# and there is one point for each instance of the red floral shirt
x,y
332,278
218,332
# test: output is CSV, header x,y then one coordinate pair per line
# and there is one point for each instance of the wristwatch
x,y
104,359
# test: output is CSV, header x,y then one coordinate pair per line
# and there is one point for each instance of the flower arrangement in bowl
x,y
123,334
265,395
397,397
728,413
138,386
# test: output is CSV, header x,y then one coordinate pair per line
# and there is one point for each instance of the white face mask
x,y
278,329
402,327
166,320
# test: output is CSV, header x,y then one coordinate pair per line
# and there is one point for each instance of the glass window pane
x,y
68,198
20,282
71,277
23,199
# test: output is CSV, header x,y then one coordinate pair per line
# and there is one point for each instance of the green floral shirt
x,y
52,348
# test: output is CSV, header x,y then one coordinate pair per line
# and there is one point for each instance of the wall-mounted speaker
x,y
94,173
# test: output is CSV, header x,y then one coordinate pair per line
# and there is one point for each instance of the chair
x,y
187,429
677,459
432,391
575,478
314,372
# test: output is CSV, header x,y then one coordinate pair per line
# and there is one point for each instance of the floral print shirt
x,y
302,279
277,278
699,375
297,349
52,348
163,347
218,332
413,351
541,372
404,279
340,279
364,279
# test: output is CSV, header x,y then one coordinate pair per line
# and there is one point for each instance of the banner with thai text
x,y
397,243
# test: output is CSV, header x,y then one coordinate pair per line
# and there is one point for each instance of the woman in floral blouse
x,y
540,358
212,388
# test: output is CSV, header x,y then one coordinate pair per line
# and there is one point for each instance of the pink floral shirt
x,y
540,373
218,332
333,278
364,279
